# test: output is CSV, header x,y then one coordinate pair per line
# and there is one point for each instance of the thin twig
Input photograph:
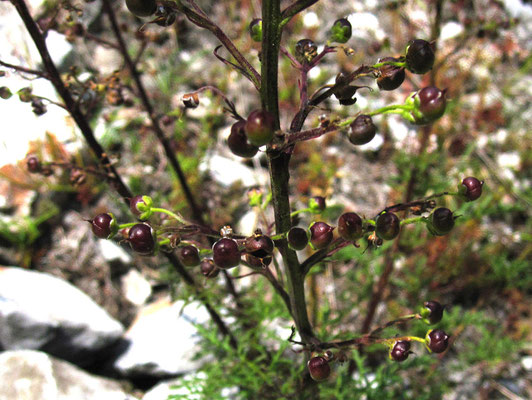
x,y
176,166
115,179
293,9
199,18
19,68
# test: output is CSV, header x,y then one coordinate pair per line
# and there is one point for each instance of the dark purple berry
x,y
306,50
258,262
238,141
189,256
101,225
437,340
441,221
259,245
255,30
226,253
341,31
362,130
321,235
433,311
317,203
33,164
165,15
400,350
141,239
297,238
350,226
133,202
419,56
319,368
390,77
431,103
141,8
208,269
473,188
260,127
387,226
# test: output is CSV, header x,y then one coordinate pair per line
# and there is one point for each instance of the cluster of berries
x,y
436,341
248,135
258,248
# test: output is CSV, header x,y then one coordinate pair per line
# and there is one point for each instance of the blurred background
x,y
148,332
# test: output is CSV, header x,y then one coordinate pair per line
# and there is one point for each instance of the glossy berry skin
x,y
321,235
255,30
226,253
260,127
101,225
141,239
473,188
259,246
133,204
141,8
433,312
400,350
390,77
297,238
430,105
189,256
208,269
33,164
387,226
419,56
319,368
350,226
341,31
238,141
362,130
437,340
441,221
306,50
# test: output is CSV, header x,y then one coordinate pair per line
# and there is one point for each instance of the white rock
x,y
311,20
39,311
110,251
33,375
227,172
163,340
527,363
451,30
135,287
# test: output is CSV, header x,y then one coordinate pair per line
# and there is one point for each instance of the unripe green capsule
x,y
341,31
255,30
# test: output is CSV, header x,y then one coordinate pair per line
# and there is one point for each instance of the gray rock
x,y
33,375
41,312
162,341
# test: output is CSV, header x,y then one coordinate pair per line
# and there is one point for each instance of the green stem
x,y
391,109
279,166
279,236
164,241
178,218
395,63
294,213
413,220
128,225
